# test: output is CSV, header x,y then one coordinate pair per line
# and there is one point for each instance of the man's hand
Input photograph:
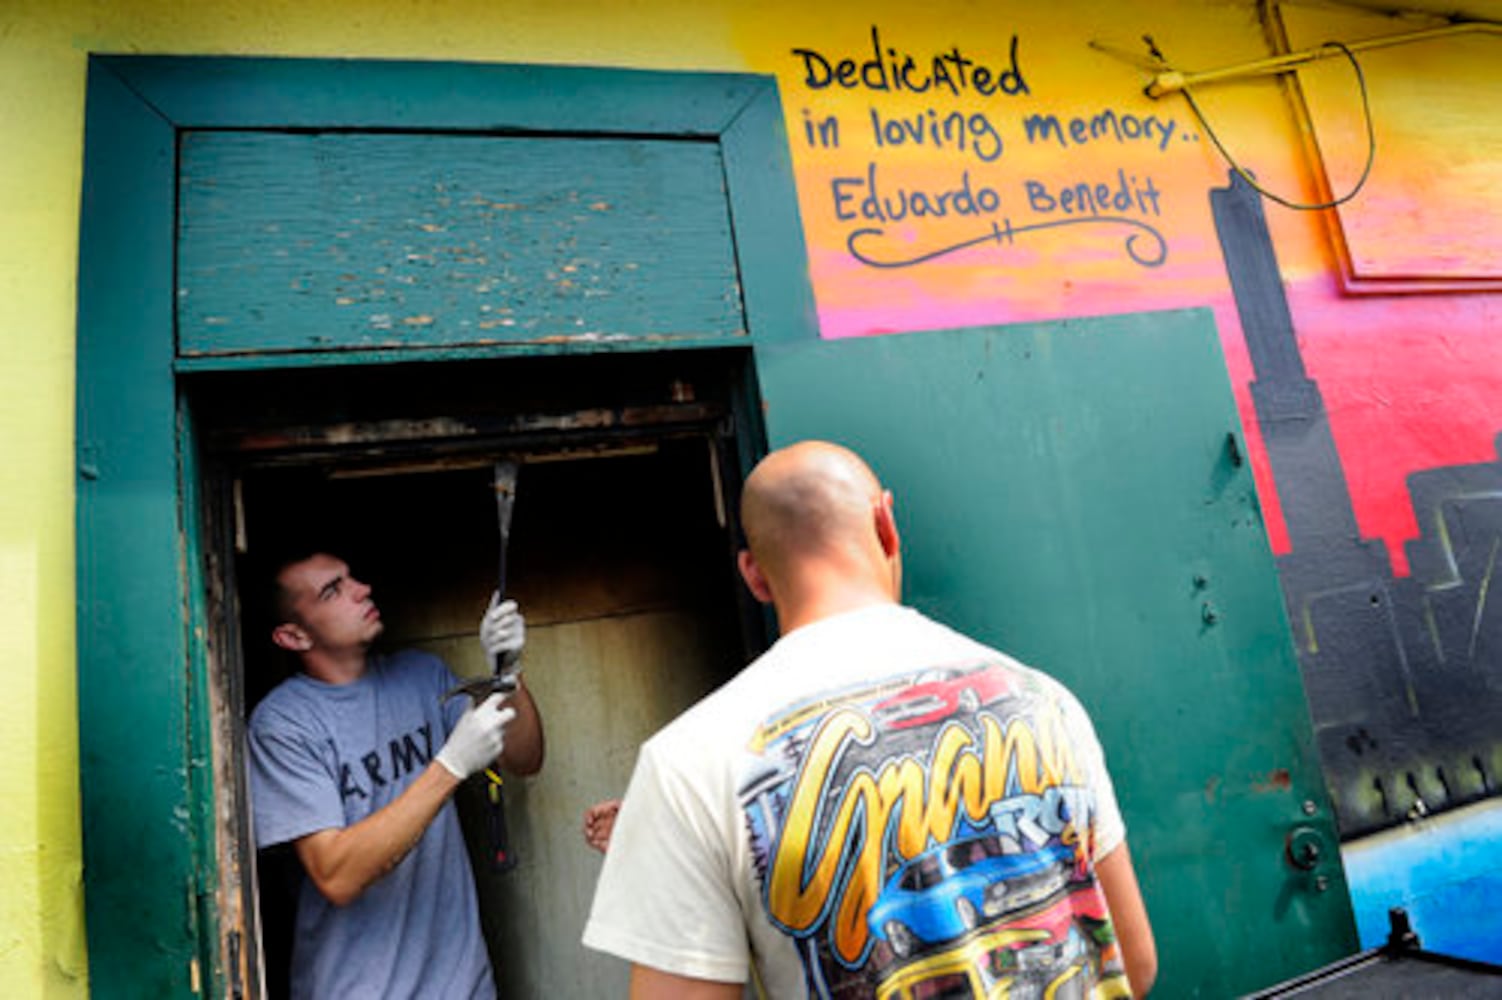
x,y
478,738
503,633
599,821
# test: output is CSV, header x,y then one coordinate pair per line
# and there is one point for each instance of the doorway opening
x,y
621,555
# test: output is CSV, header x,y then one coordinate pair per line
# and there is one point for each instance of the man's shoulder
x,y
287,700
300,697
411,657
712,715
834,658
1034,677
801,666
411,665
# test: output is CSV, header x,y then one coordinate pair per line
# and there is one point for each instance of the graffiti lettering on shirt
x,y
830,855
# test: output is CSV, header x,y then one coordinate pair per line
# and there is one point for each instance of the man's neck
x,y
343,667
797,614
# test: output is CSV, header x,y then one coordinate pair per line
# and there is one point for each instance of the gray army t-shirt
x,y
329,755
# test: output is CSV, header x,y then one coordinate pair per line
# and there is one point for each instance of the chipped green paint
x,y
338,241
141,878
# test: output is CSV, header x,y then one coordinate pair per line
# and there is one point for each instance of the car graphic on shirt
x,y
1079,947
1066,948
954,888
963,971
938,694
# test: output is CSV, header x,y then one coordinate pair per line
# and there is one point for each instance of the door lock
x,y
1303,847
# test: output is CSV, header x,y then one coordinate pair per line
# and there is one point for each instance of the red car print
x,y
938,694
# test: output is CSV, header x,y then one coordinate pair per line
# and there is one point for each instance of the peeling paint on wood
x,y
285,237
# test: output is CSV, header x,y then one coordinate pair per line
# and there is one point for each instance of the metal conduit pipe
x,y
1172,81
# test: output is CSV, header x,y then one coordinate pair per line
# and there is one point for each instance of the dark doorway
x,y
620,555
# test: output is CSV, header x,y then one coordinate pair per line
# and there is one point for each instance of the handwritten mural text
x,y
890,70
933,182
1108,124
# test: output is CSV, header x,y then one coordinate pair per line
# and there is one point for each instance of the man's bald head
x,y
812,501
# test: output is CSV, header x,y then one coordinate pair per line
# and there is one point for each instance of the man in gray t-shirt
x,y
354,762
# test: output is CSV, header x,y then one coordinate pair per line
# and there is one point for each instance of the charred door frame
x,y
604,406
153,885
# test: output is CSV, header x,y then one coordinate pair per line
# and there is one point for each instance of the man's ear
x,y
756,581
886,525
891,542
290,637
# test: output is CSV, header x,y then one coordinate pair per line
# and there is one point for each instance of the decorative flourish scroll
x,y
1005,234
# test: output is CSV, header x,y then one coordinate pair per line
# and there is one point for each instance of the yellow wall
x,y
44,45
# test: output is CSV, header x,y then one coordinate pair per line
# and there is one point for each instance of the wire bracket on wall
x,y
1170,81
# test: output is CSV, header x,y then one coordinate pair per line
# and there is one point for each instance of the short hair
x,y
267,570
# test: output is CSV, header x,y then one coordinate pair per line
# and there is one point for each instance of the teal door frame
x,y
150,870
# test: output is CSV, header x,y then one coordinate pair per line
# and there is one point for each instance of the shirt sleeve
x,y
666,896
293,791
1109,828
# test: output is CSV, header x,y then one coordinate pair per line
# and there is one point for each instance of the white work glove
x,y
503,632
478,738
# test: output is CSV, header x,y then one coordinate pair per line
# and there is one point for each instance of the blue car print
x,y
954,888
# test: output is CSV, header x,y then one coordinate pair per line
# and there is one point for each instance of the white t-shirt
x,y
876,802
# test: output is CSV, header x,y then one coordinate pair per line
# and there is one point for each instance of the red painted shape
x,y
1410,383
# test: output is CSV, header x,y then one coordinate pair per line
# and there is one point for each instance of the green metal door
x,y
1076,495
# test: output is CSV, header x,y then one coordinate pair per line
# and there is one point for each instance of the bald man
x,y
876,803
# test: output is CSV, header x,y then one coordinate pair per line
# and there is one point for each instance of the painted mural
x,y
1396,669
1024,174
